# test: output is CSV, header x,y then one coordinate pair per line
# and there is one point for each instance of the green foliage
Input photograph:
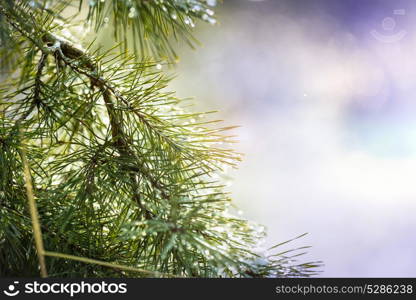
x,y
121,171
151,24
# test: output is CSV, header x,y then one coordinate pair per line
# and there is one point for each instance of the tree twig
x,y
107,264
37,232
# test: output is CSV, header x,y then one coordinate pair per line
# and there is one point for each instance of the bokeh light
x,y
324,91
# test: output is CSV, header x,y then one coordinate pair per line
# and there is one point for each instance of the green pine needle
x,y
125,178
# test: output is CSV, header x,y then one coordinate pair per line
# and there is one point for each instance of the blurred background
x,y
325,93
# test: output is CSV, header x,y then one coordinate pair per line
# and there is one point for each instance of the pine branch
x,y
120,172
37,232
152,25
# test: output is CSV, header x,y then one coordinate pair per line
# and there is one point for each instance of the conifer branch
x,y
37,232
107,264
107,91
121,174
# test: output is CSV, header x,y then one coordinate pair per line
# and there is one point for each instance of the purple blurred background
x,y
325,93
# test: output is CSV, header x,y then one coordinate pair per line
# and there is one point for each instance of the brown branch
x,y
38,80
116,124
85,66
107,91
37,231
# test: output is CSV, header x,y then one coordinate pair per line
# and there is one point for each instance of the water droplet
x,y
196,8
212,21
205,17
132,12
212,2
174,16
159,66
